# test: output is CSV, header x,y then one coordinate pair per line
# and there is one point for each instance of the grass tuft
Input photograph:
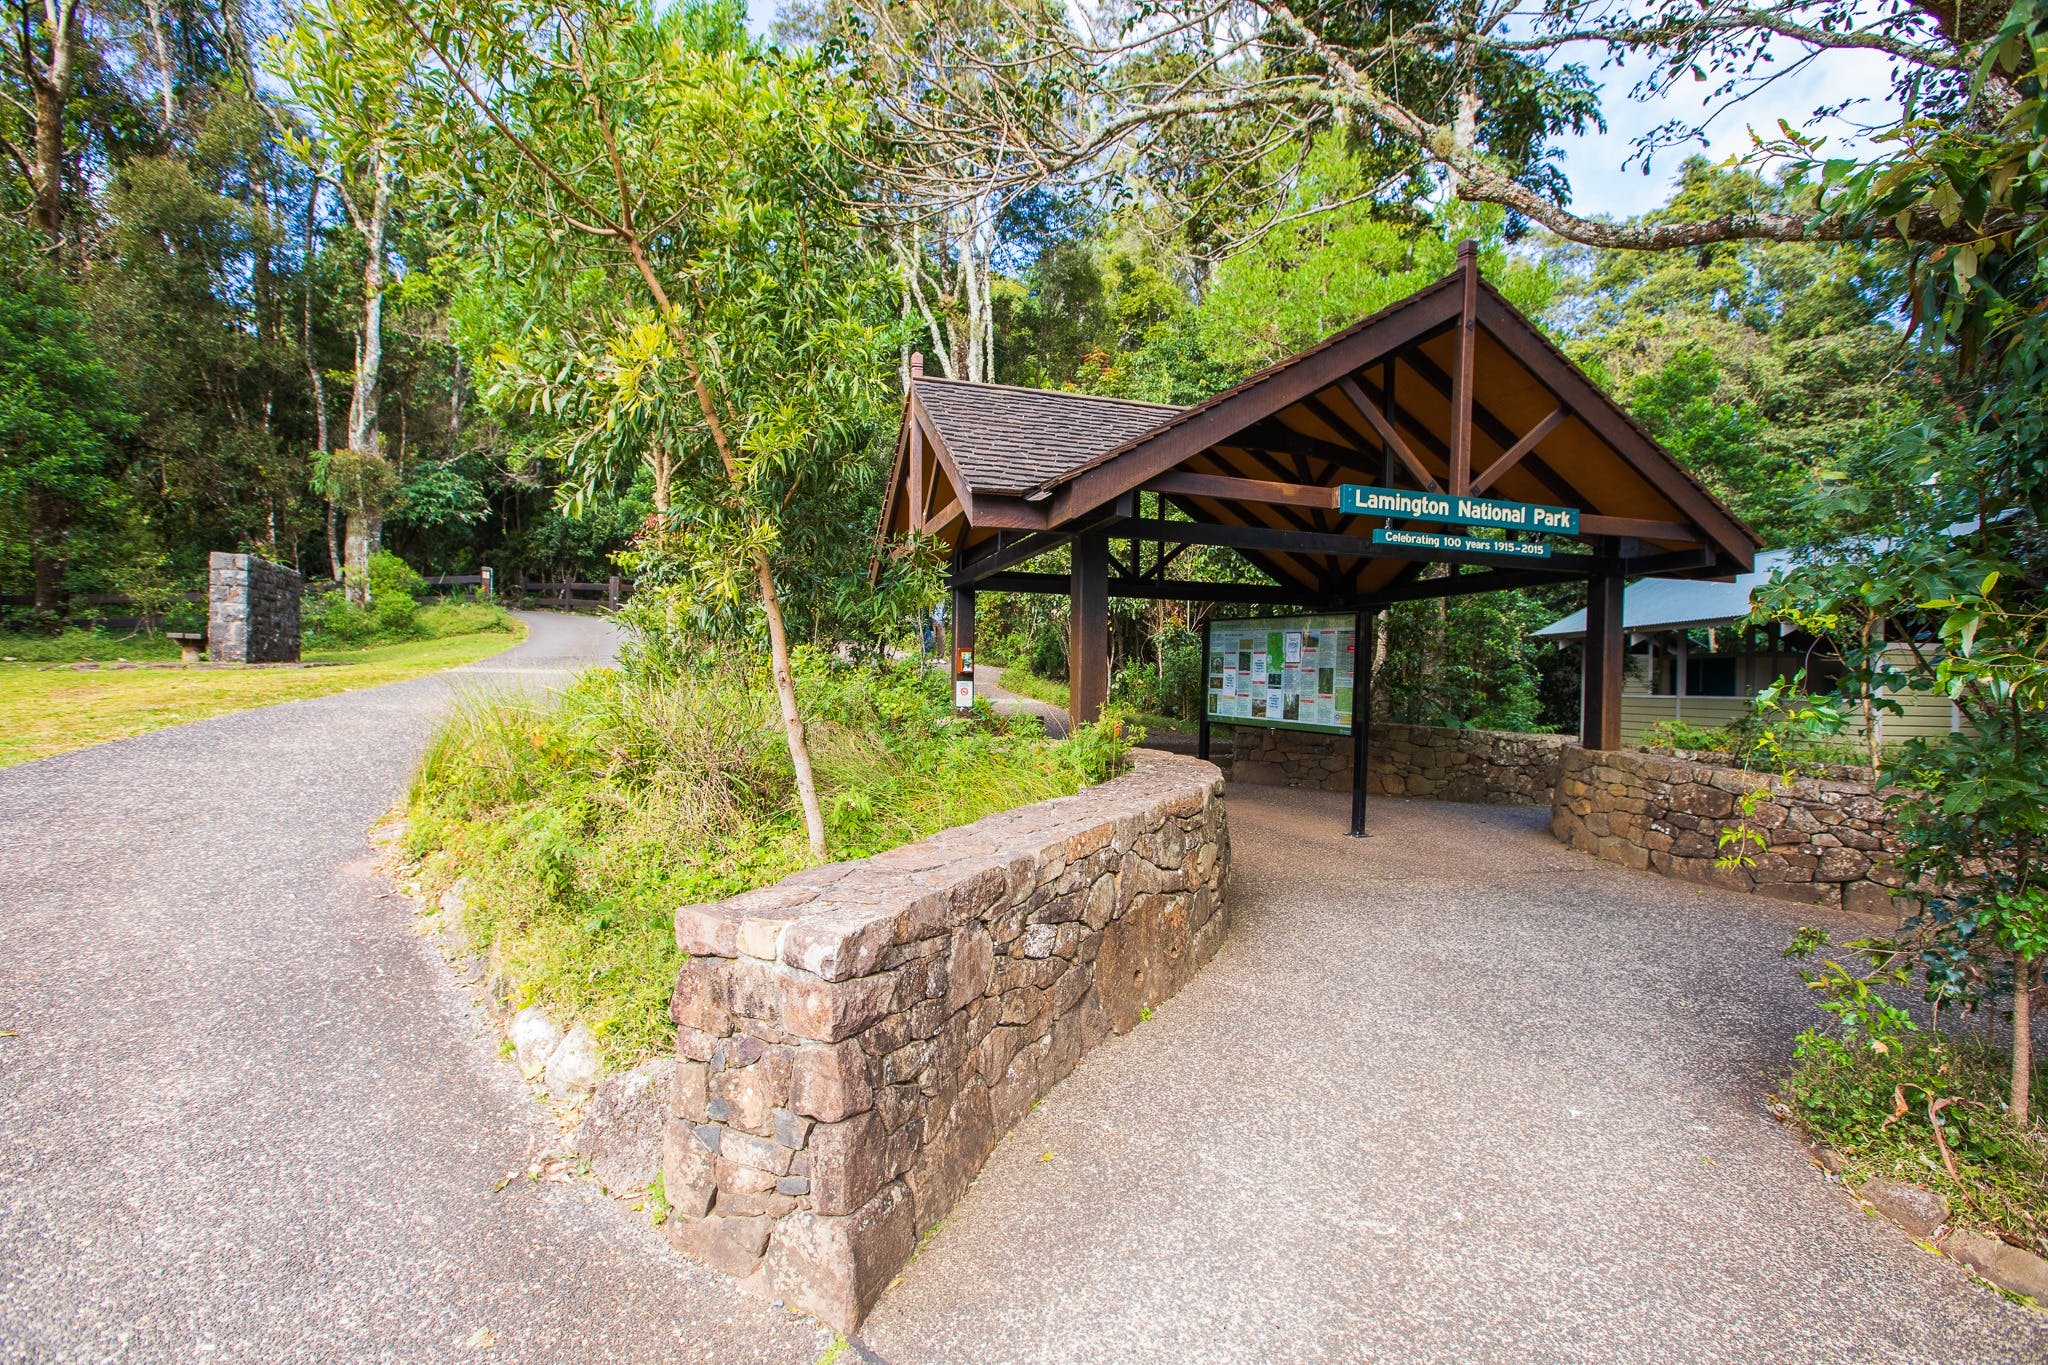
x,y
583,820
1873,1109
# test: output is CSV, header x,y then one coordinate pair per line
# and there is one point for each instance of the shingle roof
x,y
1011,440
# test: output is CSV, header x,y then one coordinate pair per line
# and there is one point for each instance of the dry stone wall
x,y
854,1040
252,611
1828,841
1487,767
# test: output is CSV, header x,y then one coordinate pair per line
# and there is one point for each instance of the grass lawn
x,y
1022,681
45,711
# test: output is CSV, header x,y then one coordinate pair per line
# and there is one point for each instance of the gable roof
x,y
1006,439
1451,388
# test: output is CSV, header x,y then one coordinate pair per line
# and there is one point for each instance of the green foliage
x,y
77,645
583,819
59,414
1171,683
1462,662
1770,369
1909,1103
394,612
1882,1112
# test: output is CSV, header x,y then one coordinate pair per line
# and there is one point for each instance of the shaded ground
x,y
243,1117
1450,1093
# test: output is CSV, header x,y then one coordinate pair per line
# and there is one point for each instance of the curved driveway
x,y
243,1115
1451,1093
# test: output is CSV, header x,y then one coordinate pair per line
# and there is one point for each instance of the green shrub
x,y
395,615
585,818
1880,1110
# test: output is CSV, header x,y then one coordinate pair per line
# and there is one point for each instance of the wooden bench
x,y
190,643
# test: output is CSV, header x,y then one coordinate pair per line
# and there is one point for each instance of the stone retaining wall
x,y
1487,767
1829,842
252,611
855,1040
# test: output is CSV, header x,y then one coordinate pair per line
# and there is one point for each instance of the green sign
x,y
1291,673
1437,540
1404,504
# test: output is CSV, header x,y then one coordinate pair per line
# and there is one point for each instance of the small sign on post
x,y
963,679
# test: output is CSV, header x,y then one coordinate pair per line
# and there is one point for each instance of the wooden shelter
x,y
1451,391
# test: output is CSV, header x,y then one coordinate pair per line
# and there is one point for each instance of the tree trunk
x,y
365,538
792,718
49,177
2022,1036
333,544
771,602
664,472
362,435
163,60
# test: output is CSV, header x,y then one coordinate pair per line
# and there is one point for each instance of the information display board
x,y
1289,672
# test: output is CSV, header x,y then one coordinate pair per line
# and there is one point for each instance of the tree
x,y
58,416
1470,93
47,44
701,174
351,77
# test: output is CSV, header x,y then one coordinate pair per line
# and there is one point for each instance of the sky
x,y
1594,162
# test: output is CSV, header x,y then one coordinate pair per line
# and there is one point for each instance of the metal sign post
x,y
1361,718
963,680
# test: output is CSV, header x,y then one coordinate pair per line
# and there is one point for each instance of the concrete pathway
x,y
243,1114
1447,1094
988,681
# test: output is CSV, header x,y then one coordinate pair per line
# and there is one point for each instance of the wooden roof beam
x,y
1514,453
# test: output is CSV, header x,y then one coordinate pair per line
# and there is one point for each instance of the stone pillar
x,y
252,611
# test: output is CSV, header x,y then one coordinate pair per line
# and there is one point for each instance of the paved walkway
x,y
244,1117
1450,1093
988,681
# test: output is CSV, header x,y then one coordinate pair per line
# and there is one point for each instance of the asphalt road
x,y
243,1113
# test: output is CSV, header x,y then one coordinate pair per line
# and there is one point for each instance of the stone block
x,y
1918,1210
688,1170
827,1011
2007,1266
623,1131
731,1245
841,944
698,999
834,1268
746,1097
847,1163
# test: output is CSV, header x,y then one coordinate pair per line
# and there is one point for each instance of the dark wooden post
x,y
1600,684
1361,717
1460,473
611,592
1202,726
1088,628
963,645
486,588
